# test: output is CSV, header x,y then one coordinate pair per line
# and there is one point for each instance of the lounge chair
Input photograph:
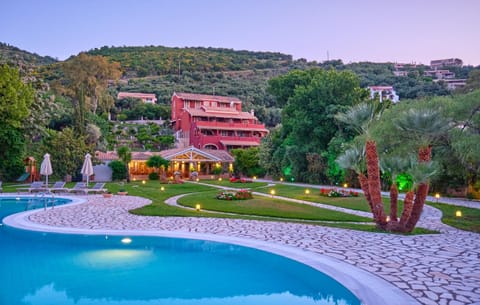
x,y
58,186
79,187
36,186
97,188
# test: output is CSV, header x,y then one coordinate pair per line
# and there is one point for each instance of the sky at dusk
x,y
350,30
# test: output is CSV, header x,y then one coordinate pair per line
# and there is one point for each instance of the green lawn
x,y
227,183
469,221
354,203
269,207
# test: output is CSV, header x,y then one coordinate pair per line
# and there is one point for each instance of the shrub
x,y
153,176
119,171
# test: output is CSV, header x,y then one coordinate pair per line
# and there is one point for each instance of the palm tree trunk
x,y
420,197
407,208
364,186
424,155
374,186
393,202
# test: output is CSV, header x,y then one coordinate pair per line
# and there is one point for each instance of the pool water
x,y
48,268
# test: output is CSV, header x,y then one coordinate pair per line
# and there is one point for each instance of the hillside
x,y
13,55
159,60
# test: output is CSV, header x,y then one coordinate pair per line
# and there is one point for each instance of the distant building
x,y
214,122
147,98
449,62
384,93
439,74
453,84
400,73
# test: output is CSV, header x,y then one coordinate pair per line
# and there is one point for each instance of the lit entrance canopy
x,y
192,154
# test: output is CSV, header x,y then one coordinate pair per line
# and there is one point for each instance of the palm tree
x,y
424,126
360,117
393,165
125,155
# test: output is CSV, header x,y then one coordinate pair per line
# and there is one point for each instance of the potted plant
x,y
122,191
107,195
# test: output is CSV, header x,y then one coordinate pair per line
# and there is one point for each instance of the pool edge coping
x,y
369,288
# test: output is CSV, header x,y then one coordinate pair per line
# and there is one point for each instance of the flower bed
x,y
235,195
332,192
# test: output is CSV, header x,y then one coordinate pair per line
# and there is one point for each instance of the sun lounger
x,y
97,188
36,186
79,187
58,186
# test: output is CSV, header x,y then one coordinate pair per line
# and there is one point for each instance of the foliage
x,y
15,100
67,152
310,98
85,80
125,155
158,163
153,176
247,162
119,170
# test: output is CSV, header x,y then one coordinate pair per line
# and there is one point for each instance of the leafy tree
x,y
15,100
311,98
67,151
119,170
85,81
157,162
247,162
473,81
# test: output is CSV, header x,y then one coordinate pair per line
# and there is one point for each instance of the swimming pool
x,y
47,268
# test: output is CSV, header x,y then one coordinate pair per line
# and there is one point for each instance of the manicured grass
x,y
469,221
269,207
354,203
227,183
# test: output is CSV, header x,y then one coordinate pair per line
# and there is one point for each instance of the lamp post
x,y
437,196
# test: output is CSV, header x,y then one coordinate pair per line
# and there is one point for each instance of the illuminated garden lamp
x,y
162,188
143,181
219,179
345,185
307,191
198,207
281,179
254,177
437,196
272,192
458,213
197,179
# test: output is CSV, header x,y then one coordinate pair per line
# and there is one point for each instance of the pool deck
x,y
379,268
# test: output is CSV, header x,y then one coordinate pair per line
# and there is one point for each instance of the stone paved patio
x,y
435,269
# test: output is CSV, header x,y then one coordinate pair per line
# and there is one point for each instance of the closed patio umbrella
x,y
87,168
46,168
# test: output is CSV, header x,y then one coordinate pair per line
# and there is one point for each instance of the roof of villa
x,y
206,97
